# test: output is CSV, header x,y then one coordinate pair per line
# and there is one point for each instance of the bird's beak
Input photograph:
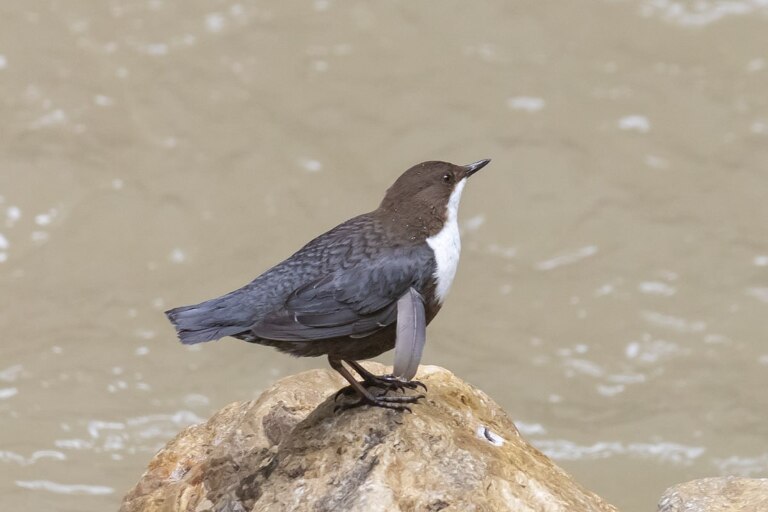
x,y
471,169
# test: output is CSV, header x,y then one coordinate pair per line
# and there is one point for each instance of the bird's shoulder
x,y
361,240
346,282
355,258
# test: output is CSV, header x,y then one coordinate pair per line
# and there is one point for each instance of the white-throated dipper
x,y
364,287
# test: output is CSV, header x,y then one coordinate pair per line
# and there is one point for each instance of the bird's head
x,y
429,189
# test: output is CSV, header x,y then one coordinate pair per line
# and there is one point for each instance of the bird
x,y
371,284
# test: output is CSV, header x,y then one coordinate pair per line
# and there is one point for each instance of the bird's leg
x,y
366,398
386,382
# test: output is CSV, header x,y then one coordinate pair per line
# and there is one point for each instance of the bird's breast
x,y
446,245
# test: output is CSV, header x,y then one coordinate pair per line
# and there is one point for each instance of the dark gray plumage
x,y
344,283
338,295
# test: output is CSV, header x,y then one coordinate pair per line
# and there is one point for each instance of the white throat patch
x,y
447,245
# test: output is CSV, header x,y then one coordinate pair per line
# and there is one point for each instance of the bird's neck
x,y
414,220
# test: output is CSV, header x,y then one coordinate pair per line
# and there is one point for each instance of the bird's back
x,y
235,313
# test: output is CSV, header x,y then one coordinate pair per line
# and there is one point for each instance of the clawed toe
x,y
403,399
385,383
395,407
390,382
398,403
413,384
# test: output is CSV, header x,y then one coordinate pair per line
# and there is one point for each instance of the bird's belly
x,y
446,246
339,348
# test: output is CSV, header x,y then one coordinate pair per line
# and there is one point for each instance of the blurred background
x,y
613,290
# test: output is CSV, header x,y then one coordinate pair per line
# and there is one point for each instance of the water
x,y
613,289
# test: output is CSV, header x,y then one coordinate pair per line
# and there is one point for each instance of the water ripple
x,y
9,456
47,485
6,393
744,466
562,449
700,12
568,258
760,294
674,323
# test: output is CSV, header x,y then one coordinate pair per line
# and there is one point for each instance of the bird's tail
x,y
206,321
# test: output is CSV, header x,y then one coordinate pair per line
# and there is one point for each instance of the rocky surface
x,y
288,450
720,494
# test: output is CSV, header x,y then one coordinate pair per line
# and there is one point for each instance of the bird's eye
x,y
447,177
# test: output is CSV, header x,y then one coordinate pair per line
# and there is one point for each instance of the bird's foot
x,y
398,403
385,382
390,382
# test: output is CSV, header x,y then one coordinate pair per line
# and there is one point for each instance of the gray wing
x,y
354,302
411,334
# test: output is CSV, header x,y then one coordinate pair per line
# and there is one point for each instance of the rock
x,y
288,450
719,494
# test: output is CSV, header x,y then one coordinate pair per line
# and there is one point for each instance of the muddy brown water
x,y
613,289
